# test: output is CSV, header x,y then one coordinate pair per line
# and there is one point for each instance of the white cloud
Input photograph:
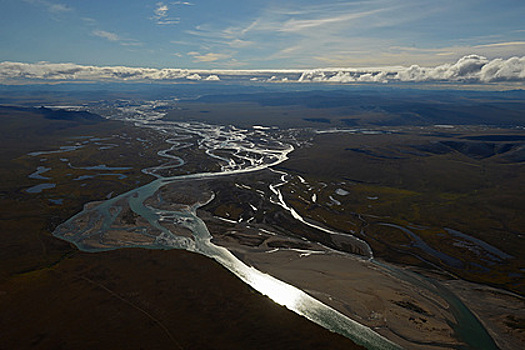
x,y
106,35
212,38
161,10
161,14
351,33
468,69
43,71
313,29
131,42
168,22
89,21
56,8
238,43
498,69
508,43
299,25
181,42
182,3
366,53
52,7
209,57
113,37
194,76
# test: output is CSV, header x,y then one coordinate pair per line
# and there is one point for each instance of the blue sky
x,y
255,34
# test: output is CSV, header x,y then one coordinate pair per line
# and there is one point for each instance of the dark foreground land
x,y
137,299
52,296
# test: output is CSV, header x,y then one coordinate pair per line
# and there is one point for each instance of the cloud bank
x,y
468,69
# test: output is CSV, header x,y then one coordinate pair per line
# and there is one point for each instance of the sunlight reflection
x,y
276,290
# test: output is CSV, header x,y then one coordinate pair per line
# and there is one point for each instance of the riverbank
x,y
498,310
403,313
411,316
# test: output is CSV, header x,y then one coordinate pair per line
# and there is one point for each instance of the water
x,y
37,175
281,292
467,326
62,149
40,188
88,230
418,242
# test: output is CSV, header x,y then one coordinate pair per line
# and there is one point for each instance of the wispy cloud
x,y
310,29
294,25
162,10
219,40
187,3
238,43
298,33
363,33
131,42
52,7
508,43
209,57
161,13
106,35
113,37
89,21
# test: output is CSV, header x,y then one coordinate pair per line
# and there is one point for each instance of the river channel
x,y
248,151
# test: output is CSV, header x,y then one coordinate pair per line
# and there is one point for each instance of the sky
x,y
259,34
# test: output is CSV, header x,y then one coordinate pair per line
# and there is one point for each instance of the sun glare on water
x,y
276,290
